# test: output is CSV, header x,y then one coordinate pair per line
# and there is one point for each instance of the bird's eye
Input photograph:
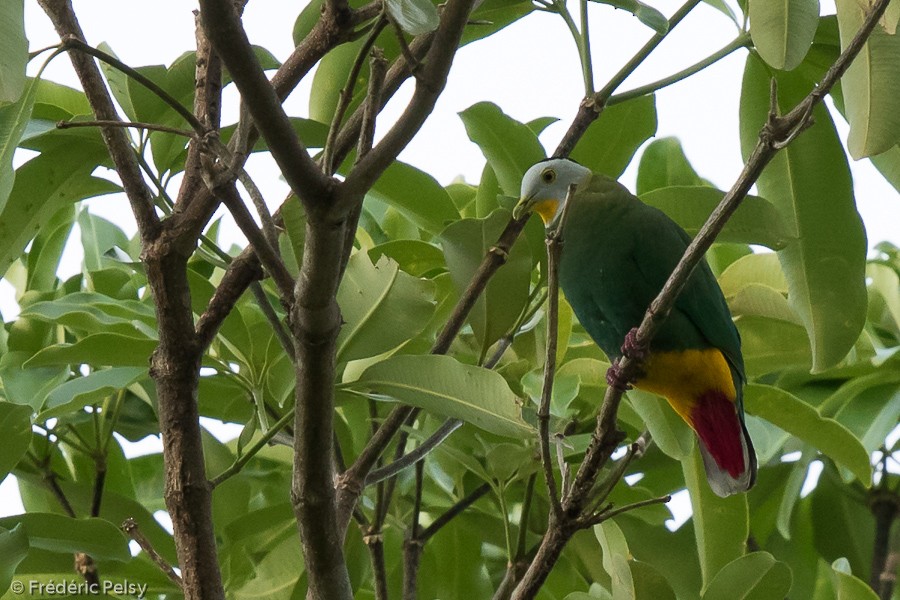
x,y
548,176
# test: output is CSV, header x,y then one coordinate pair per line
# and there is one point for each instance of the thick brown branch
x,y
430,82
224,30
120,150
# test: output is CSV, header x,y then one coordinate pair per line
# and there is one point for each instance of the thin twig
x,y
554,248
127,124
610,513
72,42
130,527
453,511
414,456
346,96
253,450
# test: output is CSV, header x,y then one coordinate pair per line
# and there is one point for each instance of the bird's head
x,y
546,185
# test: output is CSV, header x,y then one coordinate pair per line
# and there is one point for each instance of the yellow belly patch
x,y
683,376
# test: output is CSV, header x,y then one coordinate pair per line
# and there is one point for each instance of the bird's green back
x,y
617,255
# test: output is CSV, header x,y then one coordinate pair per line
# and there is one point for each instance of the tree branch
x,y
130,527
224,30
139,195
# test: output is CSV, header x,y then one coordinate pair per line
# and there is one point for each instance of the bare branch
x,y
139,195
224,29
125,124
414,456
130,527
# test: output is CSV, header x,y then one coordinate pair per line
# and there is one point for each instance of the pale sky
x,y
529,69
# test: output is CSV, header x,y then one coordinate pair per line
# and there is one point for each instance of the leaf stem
x,y
241,461
741,41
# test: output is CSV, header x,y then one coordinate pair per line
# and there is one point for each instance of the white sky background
x,y
530,69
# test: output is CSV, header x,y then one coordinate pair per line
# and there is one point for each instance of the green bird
x,y
616,256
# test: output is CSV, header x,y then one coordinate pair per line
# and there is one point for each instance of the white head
x,y
546,185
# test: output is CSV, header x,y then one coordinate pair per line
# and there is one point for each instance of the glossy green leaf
x,y
756,221
96,313
81,391
57,533
848,587
871,85
825,266
645,13
783,30
669,431
44,185
415,17
13,50
416,257
756,576
757,300
109,349
611,141
444,386
664,164
888,163
494,15
28,386
465,244
14,120
509,146
382,307
416,195
615,559
758,268
15,431
46,250
886,283
868,406
771,345
13,549
721,525
801,420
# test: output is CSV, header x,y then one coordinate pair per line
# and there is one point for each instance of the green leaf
x,y
416,195
444,386
13,549
13,50
81,391
645,13
494,15
758,268
848,587
47,248
868,406
611,141
669,431
756,220
801,420
509,146
783,30
28,386
96,313
757,576
110,349
771,345
664,164
382,307
721,525
615,559
15,431
465,244
825,265
57,533
416,257
871,85
43,186
14,120
415,17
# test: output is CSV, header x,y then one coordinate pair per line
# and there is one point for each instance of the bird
x,y
616,255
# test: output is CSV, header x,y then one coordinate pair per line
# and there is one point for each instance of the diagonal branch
x,y
139,195
226,33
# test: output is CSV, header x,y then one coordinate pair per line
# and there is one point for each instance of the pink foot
x,y
614,377
632,348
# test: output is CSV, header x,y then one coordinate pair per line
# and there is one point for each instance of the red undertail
x,y
716,422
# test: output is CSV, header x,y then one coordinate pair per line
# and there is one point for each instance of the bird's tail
x,y
725,445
